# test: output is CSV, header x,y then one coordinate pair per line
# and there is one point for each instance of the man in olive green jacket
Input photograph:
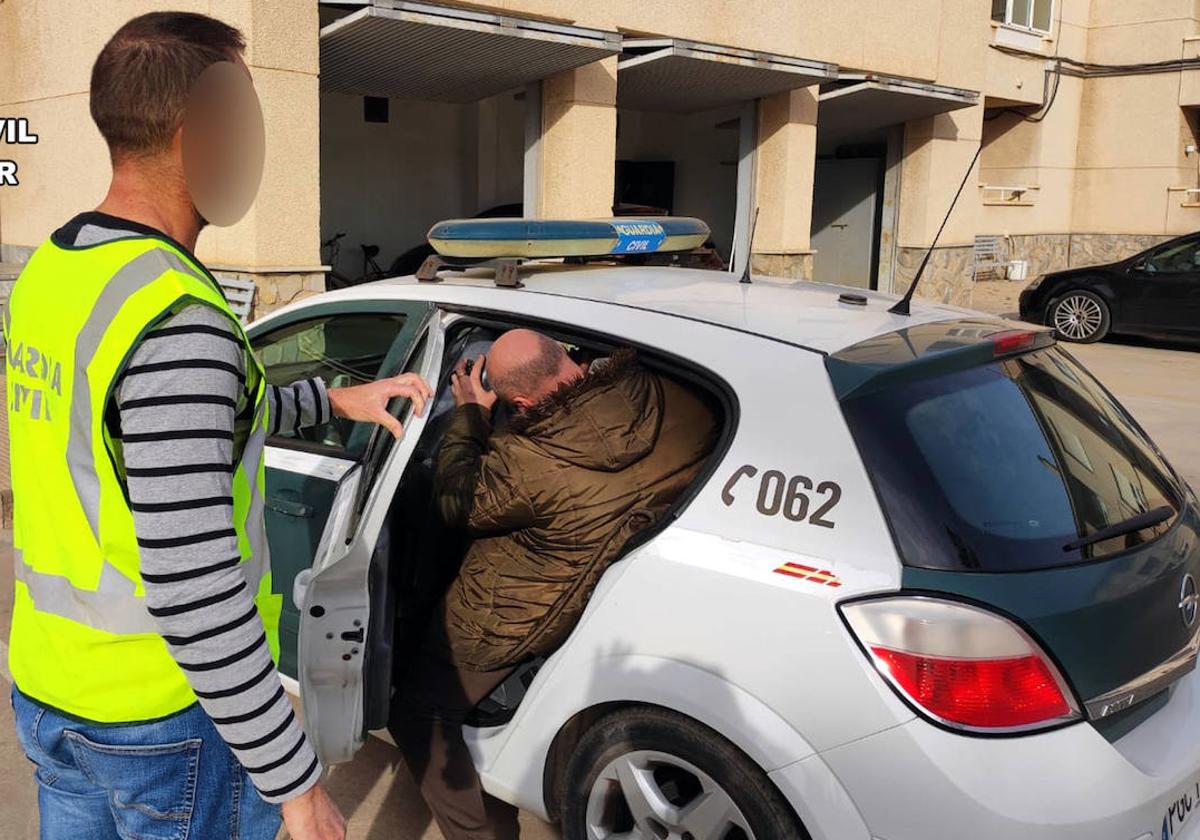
x,y
589,459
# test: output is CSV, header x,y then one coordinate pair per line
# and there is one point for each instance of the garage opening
x,y
686,131
427,113
860,141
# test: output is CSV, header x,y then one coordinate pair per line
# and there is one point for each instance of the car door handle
x,y
289,508
300,587
840,226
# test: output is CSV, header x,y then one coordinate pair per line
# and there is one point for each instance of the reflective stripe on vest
x,y
113,607
142,271
256,522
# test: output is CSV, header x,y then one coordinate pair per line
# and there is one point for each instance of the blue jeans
x,y
170,779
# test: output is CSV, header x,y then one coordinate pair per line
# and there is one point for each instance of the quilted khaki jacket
x,y
552,500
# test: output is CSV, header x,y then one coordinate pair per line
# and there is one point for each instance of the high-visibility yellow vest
x,y
82,640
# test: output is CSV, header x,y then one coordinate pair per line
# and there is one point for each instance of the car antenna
x,y
750,248
901,307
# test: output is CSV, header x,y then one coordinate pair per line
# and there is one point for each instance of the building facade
x,y
820,140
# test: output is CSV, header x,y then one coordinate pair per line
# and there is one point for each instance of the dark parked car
x,y
1155,293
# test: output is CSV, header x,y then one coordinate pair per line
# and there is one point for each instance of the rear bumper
x,y
917,781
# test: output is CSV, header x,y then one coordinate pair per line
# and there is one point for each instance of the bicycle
x,y
371,269
334,279
331,250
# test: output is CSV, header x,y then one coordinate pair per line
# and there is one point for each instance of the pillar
x,y
277,244
787,148
937,151
578,144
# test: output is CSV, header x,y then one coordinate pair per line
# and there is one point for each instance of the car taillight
x,y
961,665
1013,341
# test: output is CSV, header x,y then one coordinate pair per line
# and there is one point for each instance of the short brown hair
x,y
142,77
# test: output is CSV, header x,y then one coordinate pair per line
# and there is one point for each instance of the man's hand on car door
x,y
369,402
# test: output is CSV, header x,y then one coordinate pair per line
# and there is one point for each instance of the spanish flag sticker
x,y
821,576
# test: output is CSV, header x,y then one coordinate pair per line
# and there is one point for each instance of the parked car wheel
x,y
1080,316
651,773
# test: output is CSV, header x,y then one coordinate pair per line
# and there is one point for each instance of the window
x,y
1027,14
342,350
1175,259
999,467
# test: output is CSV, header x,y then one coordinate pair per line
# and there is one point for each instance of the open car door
x,y
344,343
345,610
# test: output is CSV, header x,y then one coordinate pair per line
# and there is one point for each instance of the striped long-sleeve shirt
x,y
174,410
177,400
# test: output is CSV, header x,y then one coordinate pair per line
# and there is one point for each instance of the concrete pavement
x,y
1159,385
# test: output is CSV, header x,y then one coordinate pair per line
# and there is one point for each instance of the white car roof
x,y
802,313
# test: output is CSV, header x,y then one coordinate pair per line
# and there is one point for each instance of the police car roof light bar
x,y
505,243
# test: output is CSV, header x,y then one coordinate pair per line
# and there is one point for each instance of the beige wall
x,y
886,37
578,148
889,38
1109,156
46,51
937,152
787,141
578,117
1119,153
1107,160
1041,156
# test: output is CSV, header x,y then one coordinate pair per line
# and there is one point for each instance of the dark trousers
x,y
434,699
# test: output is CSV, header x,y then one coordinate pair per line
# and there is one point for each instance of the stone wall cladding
x,y
1057,251
1098,248
278,290
1044,251
948,278
16,254
795,267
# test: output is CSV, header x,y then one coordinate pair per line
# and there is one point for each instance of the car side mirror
x,y
1142,266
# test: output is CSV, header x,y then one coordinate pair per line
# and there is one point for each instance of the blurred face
x,y
223,143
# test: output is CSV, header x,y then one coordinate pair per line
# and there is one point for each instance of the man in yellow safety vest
x,y
143,639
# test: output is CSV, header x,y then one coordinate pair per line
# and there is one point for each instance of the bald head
x,y
524,367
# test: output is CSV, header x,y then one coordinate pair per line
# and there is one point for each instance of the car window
x,y
1174,259
343,349
1000,467
381,441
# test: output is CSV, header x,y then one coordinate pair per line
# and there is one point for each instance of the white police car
x,y
934,582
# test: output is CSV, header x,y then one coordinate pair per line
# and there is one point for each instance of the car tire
x,y
662,773
1079,316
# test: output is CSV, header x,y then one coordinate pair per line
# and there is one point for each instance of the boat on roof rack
x,y
504,244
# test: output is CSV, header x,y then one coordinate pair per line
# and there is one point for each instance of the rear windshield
x,y
1000,467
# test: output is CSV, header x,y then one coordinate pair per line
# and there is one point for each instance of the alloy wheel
x,y
650,795
1078,317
